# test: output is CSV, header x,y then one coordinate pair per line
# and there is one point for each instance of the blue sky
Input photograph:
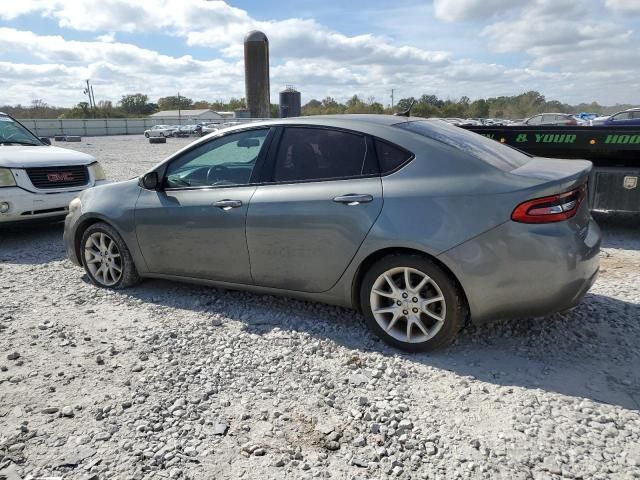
x,y
569,50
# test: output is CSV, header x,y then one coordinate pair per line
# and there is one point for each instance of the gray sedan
x,y
421,225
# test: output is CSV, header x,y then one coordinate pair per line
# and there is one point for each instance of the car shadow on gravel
x,y
569,354
32,244
590,352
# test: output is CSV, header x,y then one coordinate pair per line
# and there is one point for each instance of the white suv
x,y
37,181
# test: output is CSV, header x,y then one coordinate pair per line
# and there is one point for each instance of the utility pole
x,y
93,96
179,112
392,99
87,92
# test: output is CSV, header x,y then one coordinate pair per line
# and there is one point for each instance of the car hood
x,y
27,156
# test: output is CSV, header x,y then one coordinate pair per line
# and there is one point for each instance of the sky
x,y
570,50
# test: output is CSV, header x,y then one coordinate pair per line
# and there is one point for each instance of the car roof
x,y
363,119
368,124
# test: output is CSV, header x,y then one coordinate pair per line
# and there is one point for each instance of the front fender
x,y
114,204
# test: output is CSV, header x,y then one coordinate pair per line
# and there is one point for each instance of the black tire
x,y
146,134
454,315
129,274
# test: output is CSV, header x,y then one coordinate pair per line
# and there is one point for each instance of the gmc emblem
x,y
60,177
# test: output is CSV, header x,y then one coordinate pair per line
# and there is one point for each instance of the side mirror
x,y
45,140
150,181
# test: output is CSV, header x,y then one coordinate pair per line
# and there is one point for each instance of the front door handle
x,y
353,199
227,204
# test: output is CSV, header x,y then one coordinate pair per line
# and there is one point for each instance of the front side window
x,y
13,132
307,154
537,120
223,161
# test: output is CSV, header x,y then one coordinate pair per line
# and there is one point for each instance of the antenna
x,y
407,112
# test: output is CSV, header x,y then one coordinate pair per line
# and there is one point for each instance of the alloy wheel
x,y
408,305
103,260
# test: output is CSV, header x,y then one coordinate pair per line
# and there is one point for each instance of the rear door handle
x,y
227,204
353,199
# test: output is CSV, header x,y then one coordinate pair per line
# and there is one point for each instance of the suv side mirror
x,y
45,140
150,181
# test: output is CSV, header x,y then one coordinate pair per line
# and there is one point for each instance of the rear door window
x,y
313,154
490,151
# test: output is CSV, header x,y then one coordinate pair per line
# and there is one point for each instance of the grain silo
x,y
256,74
290,104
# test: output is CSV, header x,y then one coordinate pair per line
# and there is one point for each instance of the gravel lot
x,y
169,380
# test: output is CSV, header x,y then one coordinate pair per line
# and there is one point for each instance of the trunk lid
x,y
551,176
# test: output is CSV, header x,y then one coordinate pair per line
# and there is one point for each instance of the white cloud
x,y
456,10
566,49
107,37
624,6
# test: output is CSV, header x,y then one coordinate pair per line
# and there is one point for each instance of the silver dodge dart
x,y
419,224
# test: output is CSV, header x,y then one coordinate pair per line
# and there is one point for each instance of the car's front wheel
x,y
106,258
146,134
412,303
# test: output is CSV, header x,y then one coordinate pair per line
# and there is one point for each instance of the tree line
x,y
510,107
138,105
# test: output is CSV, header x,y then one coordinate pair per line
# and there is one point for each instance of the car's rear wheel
x,y
106,258
412,303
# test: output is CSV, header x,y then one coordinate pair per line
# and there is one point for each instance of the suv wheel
x,y
411,303
106,258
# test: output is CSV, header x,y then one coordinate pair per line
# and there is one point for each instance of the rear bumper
x,y
520,270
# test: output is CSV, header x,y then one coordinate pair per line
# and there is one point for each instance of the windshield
x,y
12,133
496,154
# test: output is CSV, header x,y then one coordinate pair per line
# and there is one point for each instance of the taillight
x,y
554,208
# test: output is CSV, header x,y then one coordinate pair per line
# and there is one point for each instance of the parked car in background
x,y
208,128
381,213
160,131
453,120
37,181
586,116
185,131
630,117
553,119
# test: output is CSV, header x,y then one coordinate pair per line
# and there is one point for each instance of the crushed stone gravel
x,y
168,380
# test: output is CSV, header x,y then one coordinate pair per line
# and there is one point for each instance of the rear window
x,y
390,157
496,154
